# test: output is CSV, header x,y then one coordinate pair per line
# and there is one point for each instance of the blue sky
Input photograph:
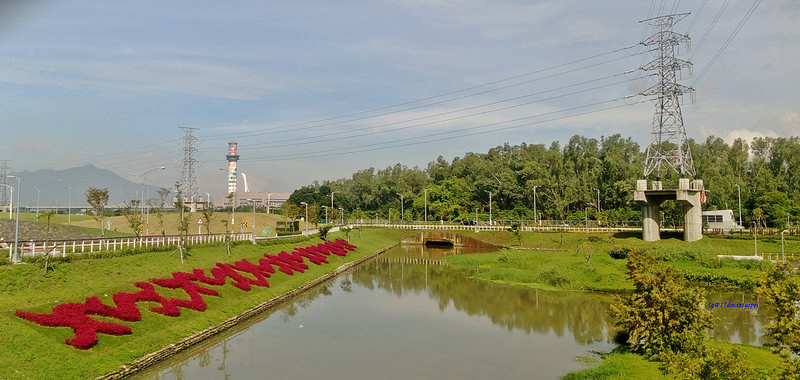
x,y
318,90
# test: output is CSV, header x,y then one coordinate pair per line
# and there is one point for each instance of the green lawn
x,y
621,364
580,261
33,351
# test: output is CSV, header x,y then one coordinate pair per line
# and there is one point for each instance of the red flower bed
x,y
77,315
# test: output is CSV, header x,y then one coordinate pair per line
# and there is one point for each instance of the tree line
x,y
586,178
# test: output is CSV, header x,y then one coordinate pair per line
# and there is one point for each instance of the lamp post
x,y
15,256
402,213
598,200
269,201
783,252
10,200
306,229
254,218
341,211
739,191
332,192
37,202
490,207
535,215
426,206
69,202
142,200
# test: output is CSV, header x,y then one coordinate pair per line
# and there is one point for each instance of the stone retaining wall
x,y
173,349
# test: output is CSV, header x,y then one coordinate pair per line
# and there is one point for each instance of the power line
x,y
359,114
420,139
728,40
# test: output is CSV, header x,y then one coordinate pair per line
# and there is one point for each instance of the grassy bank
x,y
33,351
579,261
621,364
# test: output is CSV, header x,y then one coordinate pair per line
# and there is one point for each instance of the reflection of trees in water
x,y
581,314
291,309
584,315
742,323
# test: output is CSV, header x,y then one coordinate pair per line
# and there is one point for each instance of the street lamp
x,y
426,206
341,211
402,213
15,256
148,190
306,229
69,204
739,191
254,218
783,252
535,215
11,200
490,208
37,202
598,200
332,192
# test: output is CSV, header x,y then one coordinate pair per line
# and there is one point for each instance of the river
x,y
405,315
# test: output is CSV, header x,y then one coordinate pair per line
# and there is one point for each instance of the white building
x,y
720,220
262,199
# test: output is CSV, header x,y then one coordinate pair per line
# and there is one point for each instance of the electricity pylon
x,y
188,178
668,143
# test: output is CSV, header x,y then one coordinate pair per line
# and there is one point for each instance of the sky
x,y
316,91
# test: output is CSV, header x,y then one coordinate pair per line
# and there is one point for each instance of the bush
x,y
620,253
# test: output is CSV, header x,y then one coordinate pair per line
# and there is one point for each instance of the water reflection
x,y
416,269
406,315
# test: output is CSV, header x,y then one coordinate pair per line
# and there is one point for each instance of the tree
x,y
133,217
48,215
781,288
664,314
162,203
98,199
208,213
183,226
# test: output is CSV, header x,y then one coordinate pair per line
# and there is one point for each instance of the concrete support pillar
x,y
651,222
693,213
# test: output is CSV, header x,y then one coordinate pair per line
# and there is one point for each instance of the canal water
x,y
405,315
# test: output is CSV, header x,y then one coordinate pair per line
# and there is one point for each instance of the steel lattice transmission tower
x,y
188,178
5,199
668,143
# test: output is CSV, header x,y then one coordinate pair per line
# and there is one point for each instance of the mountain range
x,y
69,186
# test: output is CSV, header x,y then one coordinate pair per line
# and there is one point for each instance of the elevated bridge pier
x,y
688,195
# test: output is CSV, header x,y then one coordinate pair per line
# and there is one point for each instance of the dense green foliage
x,y
781,289
565,181
663,314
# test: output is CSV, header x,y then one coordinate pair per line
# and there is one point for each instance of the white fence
x,y
62,248
482,227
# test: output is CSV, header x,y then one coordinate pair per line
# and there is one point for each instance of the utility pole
x,y
188,177
5,199
668,143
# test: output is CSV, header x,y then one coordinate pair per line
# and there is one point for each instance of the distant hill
x,y
53,192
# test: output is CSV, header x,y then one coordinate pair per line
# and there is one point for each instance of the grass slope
x,y
621,364
33,351
581,261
